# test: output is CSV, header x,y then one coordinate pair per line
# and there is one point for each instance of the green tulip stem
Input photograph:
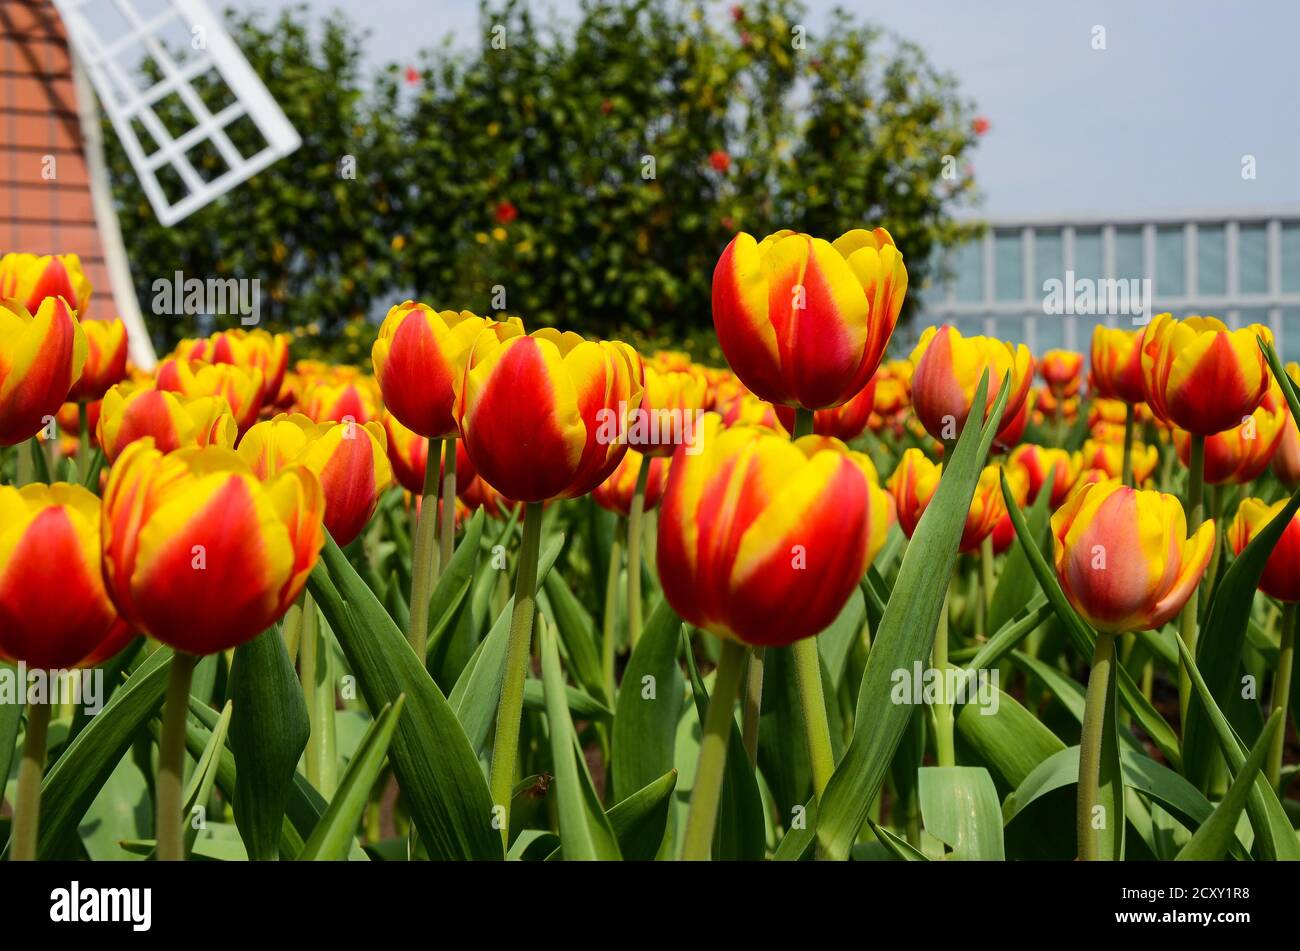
x,y
27,803
1101,694
447,530
609,622
808,674
423,567
1281,693
1126,471
753,705
944,747
171,760
634,537
83,444
25,473
318,692
1195,515
718,722
505,746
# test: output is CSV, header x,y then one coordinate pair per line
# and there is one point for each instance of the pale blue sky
x,y
1158,121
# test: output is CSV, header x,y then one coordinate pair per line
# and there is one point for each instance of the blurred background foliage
x,y
585,174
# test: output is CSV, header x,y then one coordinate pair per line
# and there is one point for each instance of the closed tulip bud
x,y
172,420
762,540
419,353
1117,364
105,360
1037,462
544,416
1240,454
1108,457
1123,556
846,422
1062,370
54,612
355,401
1286,460
242,389
803,321
200,553
1200,376
948,371
670,409
1004,533
916,479
41,357
247,349
408,453
1281,577
31,278
615,493
1013,431
350,461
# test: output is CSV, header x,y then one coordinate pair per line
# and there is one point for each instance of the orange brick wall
x,y
38,117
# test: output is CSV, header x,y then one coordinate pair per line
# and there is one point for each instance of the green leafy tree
x,y
585,175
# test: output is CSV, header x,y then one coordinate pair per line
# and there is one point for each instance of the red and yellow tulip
x,y
914,482
247,349
1062,370
242,389
41,357
1037,461
845,422
615,493
1240,454
544,415
54,612
1281,577
356,401
673,402
172,420
804,321
200,553
1200,376
106,354
31,278
1123,556
408,453
947,374
762,540
1109,458
419,353
1116,372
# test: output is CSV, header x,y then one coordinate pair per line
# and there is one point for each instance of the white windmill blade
x,y
112,38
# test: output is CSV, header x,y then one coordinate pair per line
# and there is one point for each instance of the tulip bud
x,y
1240,454
41,357
105,360
1281,577
947,374
172,420
1117,364
1062,370
615,493
242,389
916,479
249,350
31,278
1037,462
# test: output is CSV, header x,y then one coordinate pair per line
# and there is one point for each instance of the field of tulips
x,y
525,595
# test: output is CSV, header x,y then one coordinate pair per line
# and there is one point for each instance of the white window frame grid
x,y
123,100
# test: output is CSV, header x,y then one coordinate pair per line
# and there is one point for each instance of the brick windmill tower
x,y
61,63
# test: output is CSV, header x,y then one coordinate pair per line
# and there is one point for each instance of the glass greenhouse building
x,y
1049,281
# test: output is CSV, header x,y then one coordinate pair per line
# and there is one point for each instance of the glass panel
x,y
1010,328
1083,329
1047,259
1291,258
1171,270
1128,253
1289,345
1252,259
968,282
1049,331
1252,315
1087,255
1211,261
969,326
1008,266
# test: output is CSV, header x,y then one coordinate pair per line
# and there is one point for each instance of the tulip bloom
x,y
105,360
1123,556
1004,533
355,401
417,355
31,278
247,349
1281,577
408,453
672,405
200,553
749,410
805,322
1240,454
544,416
762,540
41,357
54,611
1108,457
1117,364
1063,372
242,389
916,479
172,420
947,374
845,422
1037,462
615,493
350,460
1200,376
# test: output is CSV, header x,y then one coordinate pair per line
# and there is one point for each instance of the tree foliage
x,y
584,174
